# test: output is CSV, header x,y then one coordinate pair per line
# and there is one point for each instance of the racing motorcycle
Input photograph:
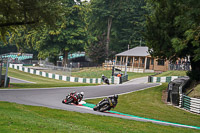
x,y
105,104
71,98
105,80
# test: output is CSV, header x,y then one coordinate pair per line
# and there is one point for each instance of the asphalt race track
x,y
52,97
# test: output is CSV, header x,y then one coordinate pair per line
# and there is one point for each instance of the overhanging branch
x,y
17,23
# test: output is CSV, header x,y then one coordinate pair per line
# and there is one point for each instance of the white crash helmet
x,y
82,93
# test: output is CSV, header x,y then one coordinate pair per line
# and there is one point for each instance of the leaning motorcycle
x,y
105,79
104,105
71,98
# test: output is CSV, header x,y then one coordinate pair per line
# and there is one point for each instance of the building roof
x,y
19,56
137,51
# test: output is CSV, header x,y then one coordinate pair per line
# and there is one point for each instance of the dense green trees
x,y
119,22
111,26
173,31
69,36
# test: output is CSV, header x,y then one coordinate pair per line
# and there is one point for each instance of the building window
x,y
152,61
161,62
143,61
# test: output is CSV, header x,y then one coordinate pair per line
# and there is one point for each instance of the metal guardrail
x,y
177,97
112,80
190,104
168,79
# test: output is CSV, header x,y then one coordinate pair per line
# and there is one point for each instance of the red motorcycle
x,y
71,98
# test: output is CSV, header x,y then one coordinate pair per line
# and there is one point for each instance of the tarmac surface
x,y
16,80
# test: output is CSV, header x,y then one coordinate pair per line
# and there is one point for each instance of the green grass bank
x,y
148,103
40,82
21,118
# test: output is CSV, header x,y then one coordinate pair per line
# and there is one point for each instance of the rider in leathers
x,y
113,99
79,96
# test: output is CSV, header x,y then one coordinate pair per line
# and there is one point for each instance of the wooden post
x,y
138,63
145,63
123,62
115,60
133,63
126,61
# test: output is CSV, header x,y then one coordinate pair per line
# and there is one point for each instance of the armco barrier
x,y
113,79
190,104
162,79
180,99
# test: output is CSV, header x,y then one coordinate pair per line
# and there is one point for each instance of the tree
x,y
128,25
101,16
29,13
7,48
121,21
173,31
70,36
96,50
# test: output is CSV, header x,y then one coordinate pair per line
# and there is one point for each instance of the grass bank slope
x,y
22,118
40,82
148,104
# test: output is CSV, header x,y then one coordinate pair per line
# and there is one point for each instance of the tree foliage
x,y
96,50
120,21
173,31
70,35
29,13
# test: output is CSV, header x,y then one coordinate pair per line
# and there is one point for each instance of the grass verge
x,y
97,72
172,73
148,103
92,72
23,118
196,92
132,75
40,82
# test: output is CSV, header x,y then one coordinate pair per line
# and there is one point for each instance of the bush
x,y
194,75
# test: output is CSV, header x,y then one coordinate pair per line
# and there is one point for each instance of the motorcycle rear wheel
x,y
104,106
95,108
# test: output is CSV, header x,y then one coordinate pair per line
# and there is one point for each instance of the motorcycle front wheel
x,y
69,100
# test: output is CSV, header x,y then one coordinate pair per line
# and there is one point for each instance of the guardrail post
x,y
6,75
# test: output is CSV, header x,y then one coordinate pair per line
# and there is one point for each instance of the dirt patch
x,y
164,96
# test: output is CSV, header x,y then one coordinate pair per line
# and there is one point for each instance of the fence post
x,y
1,65
149,79
6,75
181,100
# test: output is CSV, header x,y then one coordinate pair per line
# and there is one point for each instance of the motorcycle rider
x,y
112,98
79,96
105,79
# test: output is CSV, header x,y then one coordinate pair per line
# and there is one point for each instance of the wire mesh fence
x,y
58,69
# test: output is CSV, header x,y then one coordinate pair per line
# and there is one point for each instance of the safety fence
x,y
177,95
162,79
112,80
190,104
